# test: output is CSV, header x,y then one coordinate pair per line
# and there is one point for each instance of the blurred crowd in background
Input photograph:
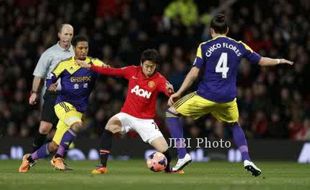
x,y
273,102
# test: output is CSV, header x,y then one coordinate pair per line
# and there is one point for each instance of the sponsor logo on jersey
x,y
141,92
80,79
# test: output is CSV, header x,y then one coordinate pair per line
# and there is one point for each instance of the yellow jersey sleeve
x,y
199,53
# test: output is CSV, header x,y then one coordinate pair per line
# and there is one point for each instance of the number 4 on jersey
x,y
221,66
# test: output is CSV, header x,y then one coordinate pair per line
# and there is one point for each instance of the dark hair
x,y
219,24
151,55
78,39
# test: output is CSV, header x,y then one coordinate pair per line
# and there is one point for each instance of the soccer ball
x,y
156,162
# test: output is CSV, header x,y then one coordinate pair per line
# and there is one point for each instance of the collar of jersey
x,y
219,36
63,49
72,67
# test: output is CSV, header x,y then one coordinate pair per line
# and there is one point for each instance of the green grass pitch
x,y
134,175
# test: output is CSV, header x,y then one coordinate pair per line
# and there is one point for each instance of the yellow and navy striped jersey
x,y
219,59
76,82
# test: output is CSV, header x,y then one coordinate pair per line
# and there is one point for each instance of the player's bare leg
x,y
113,126
39,139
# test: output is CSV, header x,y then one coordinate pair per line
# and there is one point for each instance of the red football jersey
x,y
142,91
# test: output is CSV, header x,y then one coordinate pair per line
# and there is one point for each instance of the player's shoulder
x,y
210,41
245,46
159,77
134,67
51,49
69,59
204,43
239,42
49,53
63,64
131,68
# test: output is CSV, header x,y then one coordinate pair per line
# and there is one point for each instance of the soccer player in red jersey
x,y
138,111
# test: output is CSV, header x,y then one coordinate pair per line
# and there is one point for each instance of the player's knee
x,y
108,128
160,144
113,128
164,147
45,127
52,146
76,127
171,112
114,125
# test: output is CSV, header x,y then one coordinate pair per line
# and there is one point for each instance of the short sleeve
x,y
42,65
198,62
249,54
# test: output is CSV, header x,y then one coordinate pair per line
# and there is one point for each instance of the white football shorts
x,y
146,128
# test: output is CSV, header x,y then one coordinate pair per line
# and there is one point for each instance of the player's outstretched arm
x,y
266,61
104,69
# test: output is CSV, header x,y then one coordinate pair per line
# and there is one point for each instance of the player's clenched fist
x,y
33,98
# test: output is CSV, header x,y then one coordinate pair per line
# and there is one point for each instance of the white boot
x,y
182,163
250,166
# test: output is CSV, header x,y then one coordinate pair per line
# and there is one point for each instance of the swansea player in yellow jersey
x,y
76,86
